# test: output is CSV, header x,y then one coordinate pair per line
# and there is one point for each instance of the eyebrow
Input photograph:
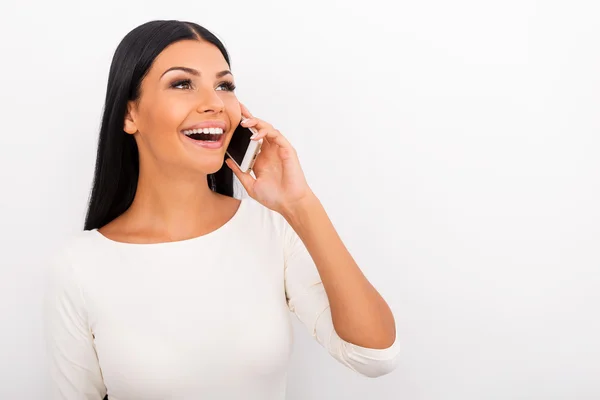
x,y
196,72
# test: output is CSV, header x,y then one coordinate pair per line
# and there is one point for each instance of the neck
x,y
175,204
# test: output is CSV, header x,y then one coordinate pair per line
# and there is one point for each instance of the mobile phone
x,y
241,149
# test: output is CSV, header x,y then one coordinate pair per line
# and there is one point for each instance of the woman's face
x,y
174,101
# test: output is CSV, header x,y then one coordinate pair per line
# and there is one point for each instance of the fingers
x,y
272,135
246,179
264,130
253,124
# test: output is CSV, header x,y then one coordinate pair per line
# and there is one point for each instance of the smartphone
x,y
242,150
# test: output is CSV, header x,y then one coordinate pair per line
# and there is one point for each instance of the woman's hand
x,y
280,183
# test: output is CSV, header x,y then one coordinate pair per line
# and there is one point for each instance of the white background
x,y
455,144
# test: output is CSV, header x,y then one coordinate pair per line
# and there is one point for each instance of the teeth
x,y
212,131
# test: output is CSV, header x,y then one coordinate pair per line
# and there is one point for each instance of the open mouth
x,y
205,134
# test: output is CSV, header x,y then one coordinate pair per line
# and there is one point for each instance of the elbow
x,y
378,368
373,363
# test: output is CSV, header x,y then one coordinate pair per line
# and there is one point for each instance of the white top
x,y
203,318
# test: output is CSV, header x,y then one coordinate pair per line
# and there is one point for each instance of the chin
x,y
205,160
209,166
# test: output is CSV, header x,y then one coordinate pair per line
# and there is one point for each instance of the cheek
x,y
173,111
165,115
232,108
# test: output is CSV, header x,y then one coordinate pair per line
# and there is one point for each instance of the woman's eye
x,y
185,82
227,86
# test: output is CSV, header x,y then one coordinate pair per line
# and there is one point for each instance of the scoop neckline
x,y
206,236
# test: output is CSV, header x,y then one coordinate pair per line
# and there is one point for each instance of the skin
x,y
173,201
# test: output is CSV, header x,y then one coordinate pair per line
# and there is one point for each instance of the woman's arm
x,y
74,368
360,315
324,286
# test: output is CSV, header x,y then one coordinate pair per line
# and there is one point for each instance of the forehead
x,y
200,55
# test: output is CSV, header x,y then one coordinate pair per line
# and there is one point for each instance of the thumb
x,y
245,178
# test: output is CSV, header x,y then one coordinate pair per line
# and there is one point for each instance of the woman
x,y
176,289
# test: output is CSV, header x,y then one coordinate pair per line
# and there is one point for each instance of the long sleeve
x,y
307,299
74,369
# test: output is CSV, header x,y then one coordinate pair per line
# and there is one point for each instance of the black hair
x,y
117,162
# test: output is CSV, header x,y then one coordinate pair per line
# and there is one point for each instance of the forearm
x,y
360,315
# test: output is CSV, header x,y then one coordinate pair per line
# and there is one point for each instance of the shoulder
x,y
78,244
256,216
63,274
72,250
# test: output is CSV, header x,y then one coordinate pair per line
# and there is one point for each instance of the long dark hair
x,y
117,162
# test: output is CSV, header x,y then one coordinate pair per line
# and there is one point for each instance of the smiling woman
x,y
176,289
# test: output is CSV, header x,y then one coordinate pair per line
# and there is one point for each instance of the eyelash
x,y
229,86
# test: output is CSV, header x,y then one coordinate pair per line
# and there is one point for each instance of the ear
x,y
129,125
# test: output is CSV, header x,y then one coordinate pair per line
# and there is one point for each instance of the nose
x,y
210,102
